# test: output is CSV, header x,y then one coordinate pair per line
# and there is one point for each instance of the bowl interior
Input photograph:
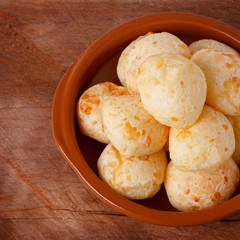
x,y
98,64
107,72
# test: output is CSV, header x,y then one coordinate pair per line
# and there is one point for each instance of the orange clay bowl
x,y
98,64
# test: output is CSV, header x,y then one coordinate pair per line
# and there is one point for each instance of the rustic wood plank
x,y
40,195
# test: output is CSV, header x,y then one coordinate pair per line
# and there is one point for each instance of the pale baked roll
x,y
204,145
150,45
211,44
134,177
222,72
130,128
121,66
172,89
198,190
89,109
235,121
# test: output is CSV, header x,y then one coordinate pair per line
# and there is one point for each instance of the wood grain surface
x,y
40,195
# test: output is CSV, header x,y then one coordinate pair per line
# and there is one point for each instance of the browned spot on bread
x,y
138,134
136,117
85,108
159,66
209,179
155,42
91,99
129,159
229,65
183,135
94,122
85,96
187,191
225,149
131,131
194,208
233,84
174,119
114,89
143,132
148,33
182,83
118,91
225,179
215,197
148,141
225,126
196,199
211,140
139,70
228,55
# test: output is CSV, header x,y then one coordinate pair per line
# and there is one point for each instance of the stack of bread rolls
x,y
177,98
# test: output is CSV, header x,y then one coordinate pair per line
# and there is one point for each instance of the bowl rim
x,y
63,112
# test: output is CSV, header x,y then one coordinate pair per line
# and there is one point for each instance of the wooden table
x,y
40,195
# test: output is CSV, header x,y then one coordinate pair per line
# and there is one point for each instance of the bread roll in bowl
x,y
121,66
172,89
235,121
134,177
130,128
205,145
222,72
211,44
152,44
89,109
198,190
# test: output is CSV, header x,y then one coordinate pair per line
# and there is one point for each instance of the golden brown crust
x,y
133,177
205,145
130,128
172,89
201,189
89,109
222,71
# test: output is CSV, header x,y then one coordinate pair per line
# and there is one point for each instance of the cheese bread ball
x,y
235,121
197,190
211,44
172,89
89,109
222,72
205,145
134,177
121,66
150,45
130,128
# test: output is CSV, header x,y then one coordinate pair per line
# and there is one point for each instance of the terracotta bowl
x,y
98,64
